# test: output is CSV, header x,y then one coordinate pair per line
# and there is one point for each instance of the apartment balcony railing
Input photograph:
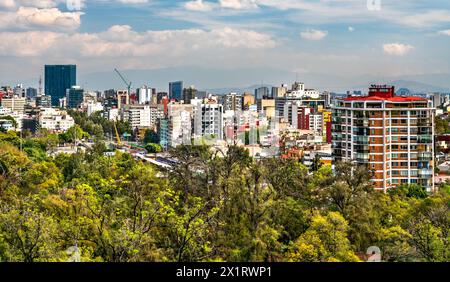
x,y
424,157
425,173
423,139
362,122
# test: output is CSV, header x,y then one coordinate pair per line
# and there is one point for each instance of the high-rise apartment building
x,y
391,135
208,119
233,102
59,78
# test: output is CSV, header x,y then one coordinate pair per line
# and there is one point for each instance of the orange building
x,y
392,135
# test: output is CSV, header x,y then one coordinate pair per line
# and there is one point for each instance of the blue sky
x,y
343,38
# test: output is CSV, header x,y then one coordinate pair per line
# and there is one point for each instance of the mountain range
x,y
221,81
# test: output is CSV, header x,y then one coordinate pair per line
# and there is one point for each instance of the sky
x,y
328,38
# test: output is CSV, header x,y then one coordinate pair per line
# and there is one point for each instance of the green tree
x,y
153,148
151,137
325,240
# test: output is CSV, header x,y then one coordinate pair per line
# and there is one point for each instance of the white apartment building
x,y
93,107
55,120
180,124
144,95
208,119
138,116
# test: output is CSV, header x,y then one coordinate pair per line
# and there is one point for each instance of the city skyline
x,y
337,40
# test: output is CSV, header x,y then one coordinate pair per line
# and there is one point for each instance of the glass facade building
x,y
59,78
176,90
75,96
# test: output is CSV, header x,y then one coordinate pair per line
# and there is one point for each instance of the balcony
x,y
425,173
424,139
361,122
424,157
421,122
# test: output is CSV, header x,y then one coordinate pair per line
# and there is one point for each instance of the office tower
x,y
159,97
262,92
437,99
176,90
74,97
31,93
59,78
278,92
189,94
391,135
233,102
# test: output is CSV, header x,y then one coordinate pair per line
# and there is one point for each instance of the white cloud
x,y
351,29
445,32
424,19
30,17
397,49
313,34
8,4
198,5
238,4
122,41
133,1
11,4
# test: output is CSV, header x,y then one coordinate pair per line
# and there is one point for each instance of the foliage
x,y
153,148
98,126
211,206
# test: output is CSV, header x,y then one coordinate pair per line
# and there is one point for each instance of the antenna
x,y
40,85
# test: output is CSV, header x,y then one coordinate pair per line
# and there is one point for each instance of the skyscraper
x,y
391,135
176,90
75,96
59,78
262,92
189,94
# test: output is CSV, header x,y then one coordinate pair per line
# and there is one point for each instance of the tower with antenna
x,y
40,85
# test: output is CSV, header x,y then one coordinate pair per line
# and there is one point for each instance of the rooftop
x,y
384,93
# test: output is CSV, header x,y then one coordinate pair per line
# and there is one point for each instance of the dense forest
x,y
212,206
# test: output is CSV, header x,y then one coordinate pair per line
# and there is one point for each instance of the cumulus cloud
x,y
198,5
313,34
133,1
397,49
122,41
11,4
238,4
30,17
445,32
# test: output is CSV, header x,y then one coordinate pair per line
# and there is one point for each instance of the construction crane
x,y
117,135
128,84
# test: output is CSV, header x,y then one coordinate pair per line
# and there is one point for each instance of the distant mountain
x,y
417,87
220,81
